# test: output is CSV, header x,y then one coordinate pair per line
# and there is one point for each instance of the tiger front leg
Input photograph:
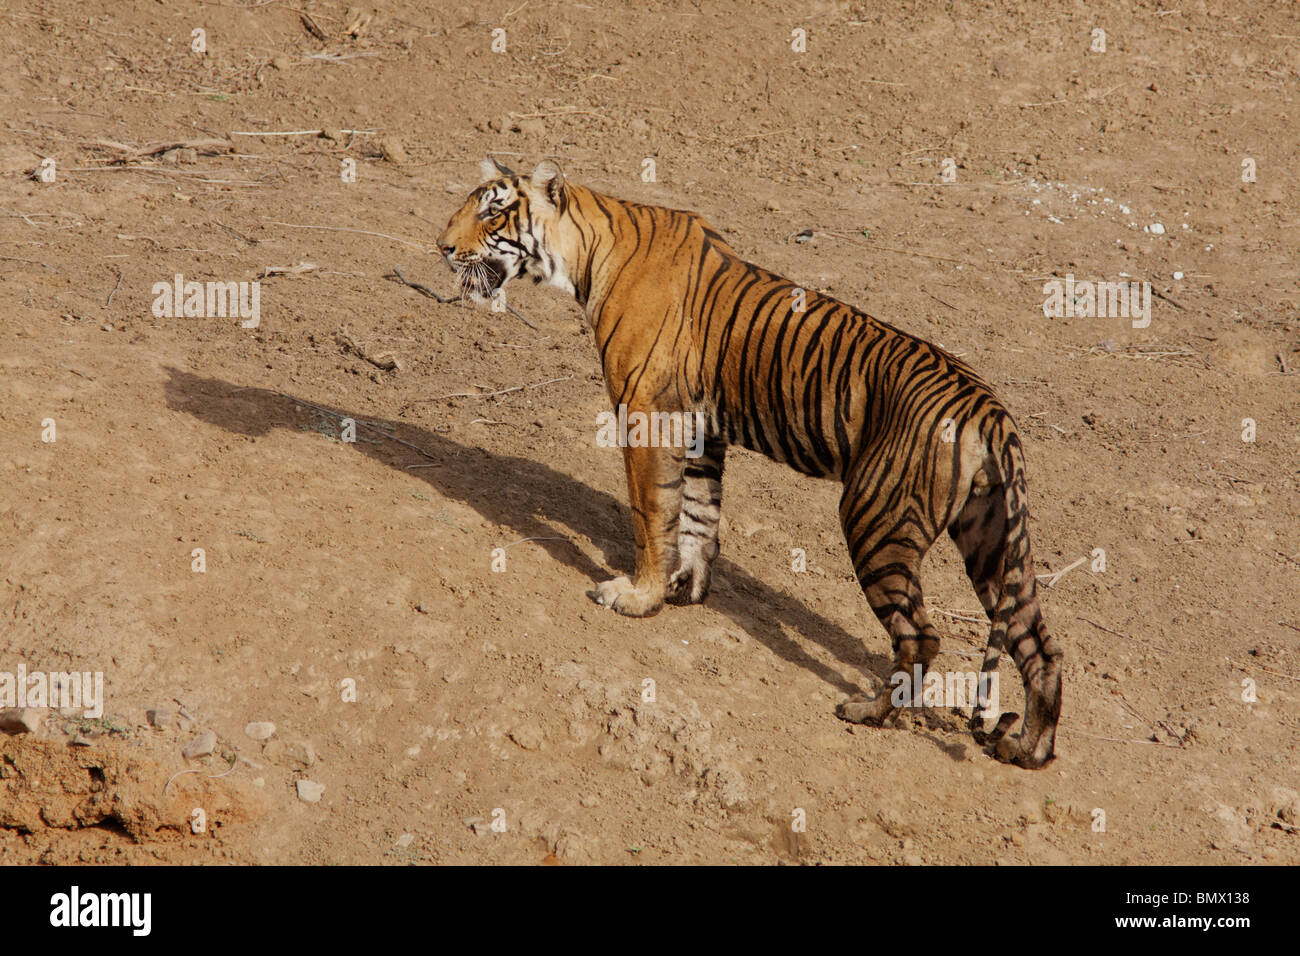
x,y
697,529
654,481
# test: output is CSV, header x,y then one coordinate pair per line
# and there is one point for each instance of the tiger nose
x,y
447,249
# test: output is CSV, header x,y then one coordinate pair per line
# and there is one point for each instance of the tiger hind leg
x,y
887,552
1009,597
697,528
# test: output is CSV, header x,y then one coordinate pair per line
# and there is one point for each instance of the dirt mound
x,y
51,793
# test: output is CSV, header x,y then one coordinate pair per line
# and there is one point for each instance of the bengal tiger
x,y
684,324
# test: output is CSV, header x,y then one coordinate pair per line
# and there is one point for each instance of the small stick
x,y
511,309
173,777
35,262
1266,670
1160,295
1049,580
1116,740
503,391
940,301
310,26
956,616
421,287
218,776
300,132
1104,628
115,288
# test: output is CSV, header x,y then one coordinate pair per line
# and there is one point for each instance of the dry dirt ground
x,y
506,697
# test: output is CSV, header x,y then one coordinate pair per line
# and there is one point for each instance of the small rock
x,y
80,741
403,841
260,730
528,736
281,62
1284,803
773,206
20,720
202,745
310,792
303,753
160,718
330,133
392,150
1157,229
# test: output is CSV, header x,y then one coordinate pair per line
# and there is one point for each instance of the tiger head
x,y
508,227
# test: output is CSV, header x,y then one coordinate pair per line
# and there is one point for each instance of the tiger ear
x,y
549,178
491,169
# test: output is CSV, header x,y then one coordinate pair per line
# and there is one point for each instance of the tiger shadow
x,y
545,495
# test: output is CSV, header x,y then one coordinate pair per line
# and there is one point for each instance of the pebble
x,y
392,150
1157,229
260,730
160,718
528,736
202,745
20,720
403,841
310,792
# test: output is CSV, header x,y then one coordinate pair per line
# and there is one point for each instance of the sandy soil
x,y
507,697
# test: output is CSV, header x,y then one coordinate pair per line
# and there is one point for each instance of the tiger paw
x,y
865,710
621,595
686,586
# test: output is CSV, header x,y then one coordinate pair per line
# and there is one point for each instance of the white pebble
x,y
1157,229
260,730
309,792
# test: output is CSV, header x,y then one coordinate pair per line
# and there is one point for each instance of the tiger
x,y
685,324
